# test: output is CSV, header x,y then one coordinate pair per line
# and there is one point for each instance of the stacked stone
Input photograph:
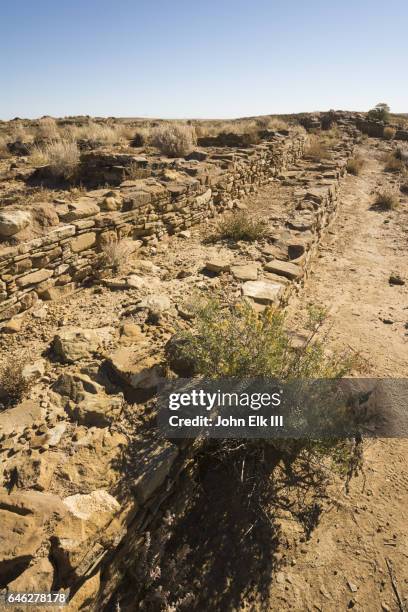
x,y
143,210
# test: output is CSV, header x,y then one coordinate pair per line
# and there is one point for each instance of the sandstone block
x,y
84,207
34,278
245,272
284,268
83,242
264,292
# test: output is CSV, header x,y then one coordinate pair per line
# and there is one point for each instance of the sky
x,y
201,58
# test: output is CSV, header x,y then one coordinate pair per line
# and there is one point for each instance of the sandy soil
x,y
343,565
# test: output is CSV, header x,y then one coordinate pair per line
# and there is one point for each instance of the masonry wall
x,y
166,463
143,210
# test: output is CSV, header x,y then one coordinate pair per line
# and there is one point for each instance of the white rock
x,y
264,292
13,221
84,506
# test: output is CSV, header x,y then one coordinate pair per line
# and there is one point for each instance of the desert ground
x,y
112,233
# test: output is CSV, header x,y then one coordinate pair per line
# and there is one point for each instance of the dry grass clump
x,y
14,386
355,164
19,133
116,254
389,133
278,125
316,150
174,139
62,157
4,152
47,129
140,137
105,134
393,163
240,227
386,199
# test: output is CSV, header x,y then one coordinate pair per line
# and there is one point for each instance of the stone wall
x,y
174,196
89,551
165,463
376,129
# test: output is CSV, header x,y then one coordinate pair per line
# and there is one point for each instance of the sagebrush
x,y
14,385
233,340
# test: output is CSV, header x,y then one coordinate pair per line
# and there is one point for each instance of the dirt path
x,y
343,566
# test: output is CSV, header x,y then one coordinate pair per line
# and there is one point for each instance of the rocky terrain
x,y
84,328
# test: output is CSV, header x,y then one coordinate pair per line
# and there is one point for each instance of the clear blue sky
x,y
201,58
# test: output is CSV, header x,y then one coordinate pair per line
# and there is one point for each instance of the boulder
x,y
38,577
85,595
89,404
56,293
34,471
13,326
78,534
45,215
24,519
20,540
96,410
19,417
34,370
73,344
111,201
138,369
263,292
83,242
13,221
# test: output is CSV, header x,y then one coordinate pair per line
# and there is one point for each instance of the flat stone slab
x,y
283,268
246,272
264,292
217,265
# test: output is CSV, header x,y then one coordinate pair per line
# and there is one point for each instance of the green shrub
x,y
381,112
237,341
355,164
240,226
